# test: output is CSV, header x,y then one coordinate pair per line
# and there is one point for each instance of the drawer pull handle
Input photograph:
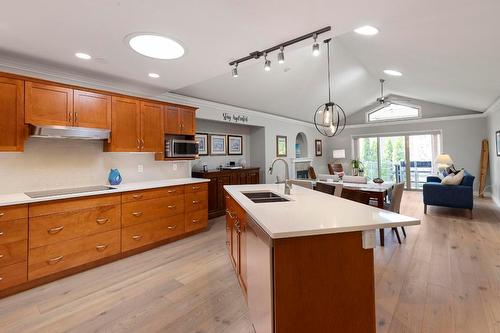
x,y
195,221
172,227
171,206
171,191
101,247
1,256
53,231
230,213
137,237
195,202
2,214
1,233
1,278
55,260
137,214
102,221
196,187
137,196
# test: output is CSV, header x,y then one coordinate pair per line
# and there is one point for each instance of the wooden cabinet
x,y
48,104
136,126
216,198
11,114
236,221
180,120
92,110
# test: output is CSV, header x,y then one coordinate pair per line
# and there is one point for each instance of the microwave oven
x,y
181,148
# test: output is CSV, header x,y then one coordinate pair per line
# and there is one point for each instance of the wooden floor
x,y
445,277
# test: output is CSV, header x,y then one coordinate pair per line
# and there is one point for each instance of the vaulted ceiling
x,y
448,50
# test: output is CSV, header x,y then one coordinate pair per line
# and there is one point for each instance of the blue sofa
x,y
454,196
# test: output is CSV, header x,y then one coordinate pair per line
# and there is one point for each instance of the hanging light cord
x,y
329,79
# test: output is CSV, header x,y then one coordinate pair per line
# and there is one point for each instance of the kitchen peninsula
x,y
305,260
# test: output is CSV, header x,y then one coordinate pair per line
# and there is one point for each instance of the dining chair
x,y
330,169
325,188
395,205
355,195
311,173
302,182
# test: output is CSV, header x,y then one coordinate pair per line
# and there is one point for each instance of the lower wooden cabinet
x,y
67,234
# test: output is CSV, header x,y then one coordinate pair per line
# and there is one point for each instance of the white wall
x,y
493,126
57,163
461,139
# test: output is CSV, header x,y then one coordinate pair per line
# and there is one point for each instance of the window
x,y
392,112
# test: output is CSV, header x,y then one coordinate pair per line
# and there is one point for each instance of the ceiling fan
x,y
388,100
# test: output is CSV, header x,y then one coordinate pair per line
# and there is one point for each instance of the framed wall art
x,y
217,144
234,145
281,146
318,147
202,140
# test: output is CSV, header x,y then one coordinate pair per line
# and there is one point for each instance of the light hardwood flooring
x,y
445,277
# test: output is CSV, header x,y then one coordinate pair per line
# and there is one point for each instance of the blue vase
x,y
114,177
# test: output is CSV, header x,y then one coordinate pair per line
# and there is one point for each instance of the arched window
x,y
393,112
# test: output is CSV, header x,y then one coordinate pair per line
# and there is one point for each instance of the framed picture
x,y
217,144
318,147
234,145
202,140
498,142
281,145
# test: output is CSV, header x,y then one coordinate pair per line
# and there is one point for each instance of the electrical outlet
x,y
140,168
174,167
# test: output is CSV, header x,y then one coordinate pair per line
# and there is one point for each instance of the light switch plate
x,y
140,168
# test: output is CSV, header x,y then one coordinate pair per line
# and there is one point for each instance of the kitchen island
x,y
305,260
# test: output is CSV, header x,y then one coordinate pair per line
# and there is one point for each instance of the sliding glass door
x,y
399,158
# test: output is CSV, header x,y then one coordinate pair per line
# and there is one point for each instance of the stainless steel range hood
x,y
69,132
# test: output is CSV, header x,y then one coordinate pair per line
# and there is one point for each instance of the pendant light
x,y
329,118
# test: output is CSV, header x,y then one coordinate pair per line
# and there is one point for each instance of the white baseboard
x,y
496,201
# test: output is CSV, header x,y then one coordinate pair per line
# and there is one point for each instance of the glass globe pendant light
x,y
329,118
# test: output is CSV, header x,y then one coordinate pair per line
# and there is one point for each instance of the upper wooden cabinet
x,y
125,125
11,114
180,120
48,104
151,127
92,110
136,126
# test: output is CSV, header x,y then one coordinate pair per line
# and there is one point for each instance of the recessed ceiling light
x,y
392,72
366,30
154,75
156,46
83,56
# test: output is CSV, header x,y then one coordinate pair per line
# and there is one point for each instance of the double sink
x,y
264,196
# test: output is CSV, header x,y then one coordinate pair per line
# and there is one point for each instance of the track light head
x,y
267,63
235,70
315,47
281,56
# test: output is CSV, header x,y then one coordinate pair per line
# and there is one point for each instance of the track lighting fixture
x,y
267,63
281,53
281,56
315,46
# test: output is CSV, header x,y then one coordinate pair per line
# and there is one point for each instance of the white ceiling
x,y
448,50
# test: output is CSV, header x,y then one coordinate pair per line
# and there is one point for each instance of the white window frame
x,y
380,107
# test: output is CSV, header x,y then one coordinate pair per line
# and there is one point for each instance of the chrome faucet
x,y
288,185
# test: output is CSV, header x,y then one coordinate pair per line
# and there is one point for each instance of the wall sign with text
x,y
236,118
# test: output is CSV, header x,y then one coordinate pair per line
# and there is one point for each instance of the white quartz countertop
x,y
21,198
313,213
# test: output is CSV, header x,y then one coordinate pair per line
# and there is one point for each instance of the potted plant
x,y
357,167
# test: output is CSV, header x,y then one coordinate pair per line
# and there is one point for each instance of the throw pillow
x,y
453,179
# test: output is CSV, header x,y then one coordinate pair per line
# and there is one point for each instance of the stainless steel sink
x,y
264,196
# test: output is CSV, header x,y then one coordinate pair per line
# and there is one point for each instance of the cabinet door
x,y
48,105
151,127
11,114
92,110
213,194
223,180
125,125
172,125
187,121
243,250
253,177
243,178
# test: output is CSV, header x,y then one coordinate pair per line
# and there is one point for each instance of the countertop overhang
x,y
21,198
313,213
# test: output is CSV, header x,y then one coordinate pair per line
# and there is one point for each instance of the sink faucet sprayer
x,y
288,185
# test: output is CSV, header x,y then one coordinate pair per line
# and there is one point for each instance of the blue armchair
x,y
454,196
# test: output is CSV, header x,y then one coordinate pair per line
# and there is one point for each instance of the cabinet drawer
x,y
49,229
60,256
62,206
198,187
196,220
152,194
196,201
13,231
12,275
152,209
150,232
12,253
10,213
